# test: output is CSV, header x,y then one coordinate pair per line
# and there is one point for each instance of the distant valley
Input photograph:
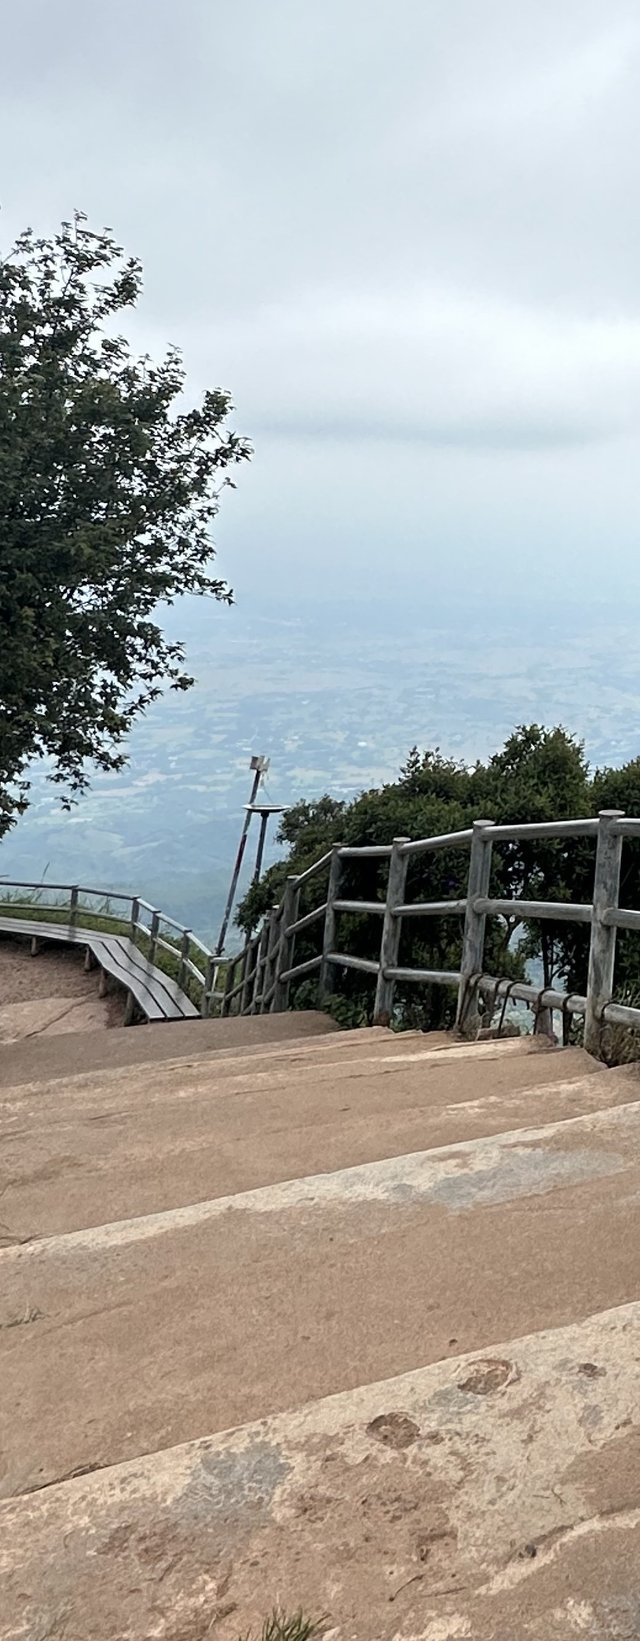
x,y
335,699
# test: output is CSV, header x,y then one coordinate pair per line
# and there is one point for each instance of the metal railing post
x,y
284,958
471,964
602,951
73,907
209,983
135,914
391,930
325,974
184,953
153,936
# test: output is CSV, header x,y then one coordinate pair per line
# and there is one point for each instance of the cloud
x,y
432,367
405,236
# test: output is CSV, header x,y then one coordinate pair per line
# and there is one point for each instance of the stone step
x,y
114,1145
488,1499
152,1045
332,1046
26,1062
129,1338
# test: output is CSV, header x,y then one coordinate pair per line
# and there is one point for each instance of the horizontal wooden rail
x,y
364,906
620,1014
234,991
302,968
309,918
561,911
621,917
365,851
427,977
447,840
545,829
432,908
303,877
344,960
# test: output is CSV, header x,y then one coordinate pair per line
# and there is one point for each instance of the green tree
x,y
538,775
433,795
108,487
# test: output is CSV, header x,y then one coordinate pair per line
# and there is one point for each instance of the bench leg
x,y
103,984
129,1010
36,947
89,960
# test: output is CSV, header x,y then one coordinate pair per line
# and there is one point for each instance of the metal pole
x,y
264,822
602,953
153,936
259,766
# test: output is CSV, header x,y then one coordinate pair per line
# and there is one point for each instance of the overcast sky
x,y
404,233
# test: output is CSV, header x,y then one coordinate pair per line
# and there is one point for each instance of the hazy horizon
x,y
404,238
336,704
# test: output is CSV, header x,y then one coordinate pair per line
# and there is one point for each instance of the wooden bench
x,y
155,994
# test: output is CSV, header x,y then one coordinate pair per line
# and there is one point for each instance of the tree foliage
x,y
108,487
538,775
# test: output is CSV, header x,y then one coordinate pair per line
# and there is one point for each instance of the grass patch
x,y
621,1044
293,1627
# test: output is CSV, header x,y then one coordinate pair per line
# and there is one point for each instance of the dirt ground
x,y
53,973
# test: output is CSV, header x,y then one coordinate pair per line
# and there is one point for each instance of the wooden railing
x,y
259,977
191,963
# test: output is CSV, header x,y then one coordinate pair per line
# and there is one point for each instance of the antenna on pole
x,y
259,767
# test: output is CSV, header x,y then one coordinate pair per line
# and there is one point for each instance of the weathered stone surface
x,y
52,1017
437,1234
492,1500
134,1336
101,1147
24,1062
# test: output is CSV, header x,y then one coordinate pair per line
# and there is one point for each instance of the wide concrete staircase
x,y
297,1318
